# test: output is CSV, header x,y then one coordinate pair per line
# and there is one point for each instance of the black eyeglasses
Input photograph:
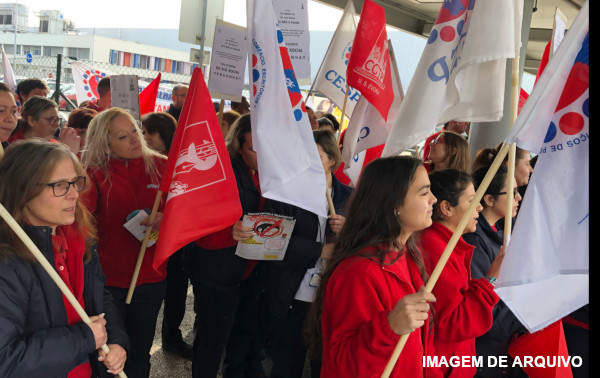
x,y
515,191
61,188
51,120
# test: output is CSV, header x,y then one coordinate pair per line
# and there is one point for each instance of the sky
x,y
159,14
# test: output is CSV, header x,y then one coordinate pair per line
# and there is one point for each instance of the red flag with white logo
x,y
369,69
202,191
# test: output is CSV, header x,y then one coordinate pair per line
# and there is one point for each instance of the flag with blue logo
x,y
289,165
331,77
461,73
545,273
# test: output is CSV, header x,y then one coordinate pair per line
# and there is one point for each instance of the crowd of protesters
x,y
349,286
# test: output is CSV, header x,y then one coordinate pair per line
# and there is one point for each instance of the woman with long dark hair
x,y
463,310
41,334
370,293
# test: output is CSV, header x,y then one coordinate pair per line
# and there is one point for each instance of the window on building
x,y
52,50
5,19
44,26
10,49
33,50
114,57
79,53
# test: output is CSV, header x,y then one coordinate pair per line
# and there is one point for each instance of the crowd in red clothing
x,y
364,268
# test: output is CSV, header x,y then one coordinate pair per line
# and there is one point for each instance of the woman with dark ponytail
x,y
464,307
371,292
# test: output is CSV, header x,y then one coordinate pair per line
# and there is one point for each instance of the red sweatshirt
x,y
357,338
463,310
129,188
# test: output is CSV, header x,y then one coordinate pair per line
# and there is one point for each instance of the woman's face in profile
x,y
124,138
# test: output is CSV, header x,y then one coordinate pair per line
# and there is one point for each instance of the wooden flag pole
x,y
50,270
221,105
343,114
330,202
450,247
138,265
514,110
1,151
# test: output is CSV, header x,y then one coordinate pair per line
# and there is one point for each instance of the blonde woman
x,y
125,175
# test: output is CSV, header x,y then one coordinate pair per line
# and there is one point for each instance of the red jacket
x,y
129,188
463,310
357,338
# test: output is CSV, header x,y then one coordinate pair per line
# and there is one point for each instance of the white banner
x,y
228,61
293,23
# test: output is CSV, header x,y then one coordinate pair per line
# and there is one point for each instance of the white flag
x,y
86,78
461,73
9,75
367,128
545,274
288,160
331,77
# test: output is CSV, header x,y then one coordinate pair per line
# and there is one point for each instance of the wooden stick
x,y
221,106
1,151
510,181
343,114
138,265
510,177
330,202
49,269
450,247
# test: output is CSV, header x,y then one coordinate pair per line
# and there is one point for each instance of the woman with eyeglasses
x,y
448,150
125,175
488,241
464,306
41,334
39,119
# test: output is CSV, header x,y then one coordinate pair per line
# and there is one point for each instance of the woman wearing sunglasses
x,y
39,119
448,150
41,334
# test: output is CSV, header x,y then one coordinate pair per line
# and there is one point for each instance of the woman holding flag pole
x,y
371,291
464,307
47,235
125,176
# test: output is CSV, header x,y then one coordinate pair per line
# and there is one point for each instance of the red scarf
x,y
69,249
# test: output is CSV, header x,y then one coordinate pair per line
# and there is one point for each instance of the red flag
x,y
369,68
148,96
202,191
543,62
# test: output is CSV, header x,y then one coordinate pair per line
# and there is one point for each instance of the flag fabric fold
x,y
545,273
330,80
148,96
202,191
461,73
9,75
369,69
367,128
289,165
86,78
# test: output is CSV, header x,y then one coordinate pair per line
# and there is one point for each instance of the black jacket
x,y
495,342
35,338
284,277
174,112
221,267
